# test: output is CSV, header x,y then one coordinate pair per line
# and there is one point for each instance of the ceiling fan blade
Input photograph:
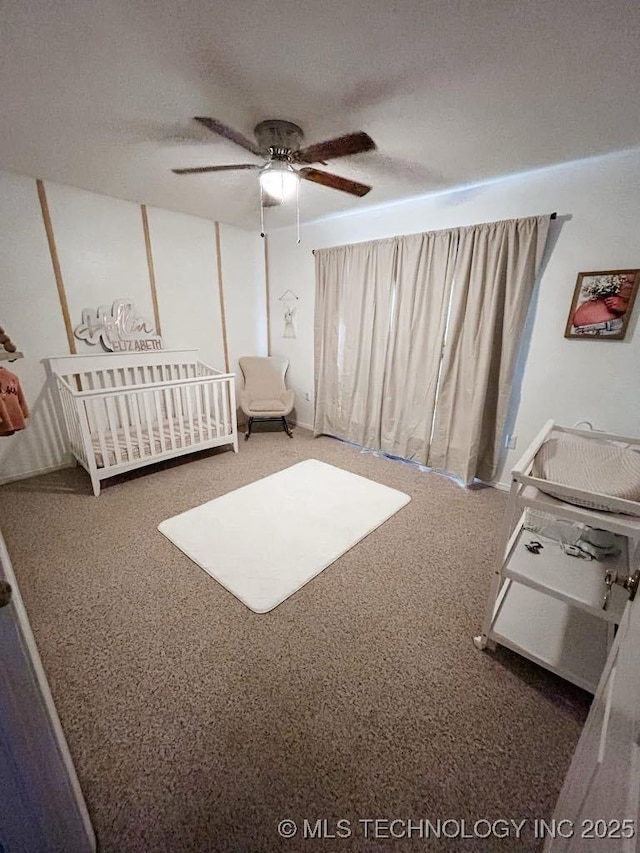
x,y
228,133
342,146
333,181
198,170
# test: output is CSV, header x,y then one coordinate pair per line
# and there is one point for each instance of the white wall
x,y
30,314
184,260
100,242
102,253
242,256
598,207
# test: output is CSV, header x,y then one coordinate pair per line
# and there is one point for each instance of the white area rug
x,y
266,540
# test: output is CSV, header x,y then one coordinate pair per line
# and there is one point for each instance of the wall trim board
x,y
36,472
268,295
55,261
223,316
152,274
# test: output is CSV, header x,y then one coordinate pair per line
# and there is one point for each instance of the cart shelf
x,y
552,633
570,579
548,606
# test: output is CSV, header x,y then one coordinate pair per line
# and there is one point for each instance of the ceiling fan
x,y
278,142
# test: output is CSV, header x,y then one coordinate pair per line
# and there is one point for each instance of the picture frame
x,y
602,304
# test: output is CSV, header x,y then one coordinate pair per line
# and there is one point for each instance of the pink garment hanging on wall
x,y
13,406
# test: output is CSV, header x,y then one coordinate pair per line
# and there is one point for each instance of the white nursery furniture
x,y
126,410
555,609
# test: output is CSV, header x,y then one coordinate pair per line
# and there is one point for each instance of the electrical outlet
x,y
307,396
511,442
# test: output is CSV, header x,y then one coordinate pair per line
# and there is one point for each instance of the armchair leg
x,y
248,429
286,427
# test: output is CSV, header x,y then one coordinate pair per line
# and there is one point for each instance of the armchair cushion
x,y
267,406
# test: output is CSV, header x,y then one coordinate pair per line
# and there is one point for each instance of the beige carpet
x,y
197,725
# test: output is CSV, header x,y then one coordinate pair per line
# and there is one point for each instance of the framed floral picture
x,y
602,304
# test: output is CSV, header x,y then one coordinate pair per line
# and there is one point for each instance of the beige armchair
x,y
265,396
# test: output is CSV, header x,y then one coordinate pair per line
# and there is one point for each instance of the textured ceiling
x,y
101,95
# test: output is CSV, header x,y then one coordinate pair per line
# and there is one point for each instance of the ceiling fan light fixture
x,y
278,180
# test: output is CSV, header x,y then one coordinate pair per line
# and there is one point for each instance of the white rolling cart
x,y
558,610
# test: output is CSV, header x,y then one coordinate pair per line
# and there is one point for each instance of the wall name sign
x,y
118,328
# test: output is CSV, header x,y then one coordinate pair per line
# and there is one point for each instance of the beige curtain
x,y
379,322
424,267
354,290
416,339
495,271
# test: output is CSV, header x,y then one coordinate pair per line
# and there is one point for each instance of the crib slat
x,y
198,391
207,407
68,418
178,407
169,408
148,423
74,409
157,399
135,401
113,429
189,406
98,418
126,430
215,388
225,405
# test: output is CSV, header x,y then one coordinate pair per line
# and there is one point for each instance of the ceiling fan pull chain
x,y
298,211
261,212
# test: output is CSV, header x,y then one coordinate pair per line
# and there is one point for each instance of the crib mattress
x,y
151,445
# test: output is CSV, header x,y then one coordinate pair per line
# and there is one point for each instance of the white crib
x,y
126,410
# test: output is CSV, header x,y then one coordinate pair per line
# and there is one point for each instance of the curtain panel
x,y
423,274
353,304
496,269
416,339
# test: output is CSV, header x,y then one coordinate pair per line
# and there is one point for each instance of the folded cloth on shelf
x,y
589,541
591,465
598,543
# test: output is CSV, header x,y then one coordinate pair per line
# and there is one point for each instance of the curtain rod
x,y
554,215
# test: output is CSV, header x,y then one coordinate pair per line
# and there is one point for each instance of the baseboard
x,y
304,426
35,472
503,487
